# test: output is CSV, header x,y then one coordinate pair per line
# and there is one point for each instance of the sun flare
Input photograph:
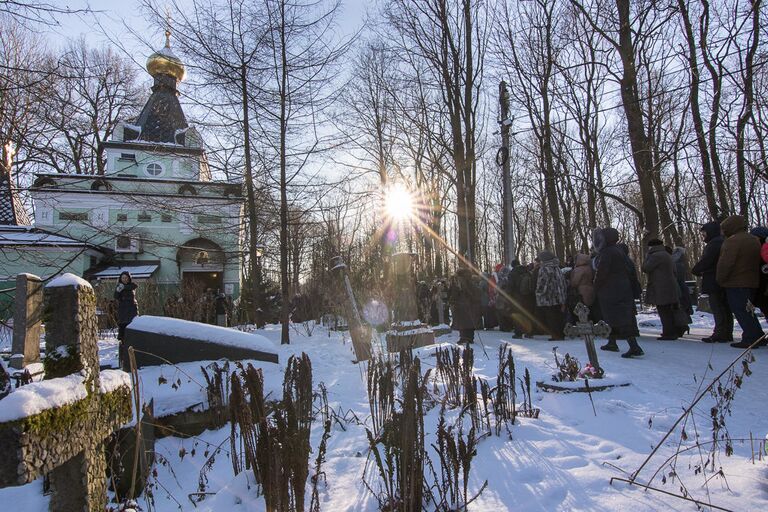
x,y
398,203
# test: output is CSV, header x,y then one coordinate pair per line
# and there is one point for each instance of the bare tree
x,y
93,90
296,91
745,116
621,30
223,42
24,82
449,38
528,49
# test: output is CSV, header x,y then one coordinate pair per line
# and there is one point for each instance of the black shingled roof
x,y
161,119
12,212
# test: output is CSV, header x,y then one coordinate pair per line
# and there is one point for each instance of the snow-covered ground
x,y
561,461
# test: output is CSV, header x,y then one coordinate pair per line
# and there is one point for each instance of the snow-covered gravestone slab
x,y
58,426
160,340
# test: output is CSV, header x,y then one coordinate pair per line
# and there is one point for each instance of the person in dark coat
x,y
127,307
487,284
680,260
738,272
705,268
220,305
551,294
464,298
616,287
516,302
423,298
662,290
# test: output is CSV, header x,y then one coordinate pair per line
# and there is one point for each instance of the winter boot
x,y
634,349
611,346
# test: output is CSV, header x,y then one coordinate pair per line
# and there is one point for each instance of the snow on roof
x,y
137,272
48,394
25,235
67,279
203,332
133,127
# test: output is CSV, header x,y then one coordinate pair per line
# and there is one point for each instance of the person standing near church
x,y
220,304
127,307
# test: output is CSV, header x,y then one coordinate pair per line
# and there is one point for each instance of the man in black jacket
x,y
705,268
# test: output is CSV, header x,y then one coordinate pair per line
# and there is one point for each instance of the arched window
x,y
187,190
154,169
100,184
44,182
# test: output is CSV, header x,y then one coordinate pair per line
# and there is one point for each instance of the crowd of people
x,y
538,298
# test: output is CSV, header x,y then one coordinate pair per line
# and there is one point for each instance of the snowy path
x,y
557,462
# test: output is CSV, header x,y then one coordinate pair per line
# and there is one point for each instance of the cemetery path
x,y
561,461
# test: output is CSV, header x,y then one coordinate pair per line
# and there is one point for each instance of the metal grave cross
x,y
588,330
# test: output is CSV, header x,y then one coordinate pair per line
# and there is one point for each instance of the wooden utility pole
x,y
503,160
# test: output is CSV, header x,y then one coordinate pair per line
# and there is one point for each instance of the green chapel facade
x,y
156,211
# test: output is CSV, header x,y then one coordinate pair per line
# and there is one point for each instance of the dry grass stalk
x,y
275,437
381,392
398,452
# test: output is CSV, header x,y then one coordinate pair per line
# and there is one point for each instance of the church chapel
x,y
156,212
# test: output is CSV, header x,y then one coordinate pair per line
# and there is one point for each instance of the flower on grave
x,y
588,371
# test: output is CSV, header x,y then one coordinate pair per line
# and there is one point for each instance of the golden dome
x,y
164,62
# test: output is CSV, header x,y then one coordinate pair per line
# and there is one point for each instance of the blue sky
x,y
111,16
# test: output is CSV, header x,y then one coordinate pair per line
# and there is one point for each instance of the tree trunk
x,y
284,277
641,148
715,75
698,124
250,196
746,110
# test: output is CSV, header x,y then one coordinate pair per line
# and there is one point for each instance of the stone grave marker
x,y
27,321
66,418
161,340
441,294
407,330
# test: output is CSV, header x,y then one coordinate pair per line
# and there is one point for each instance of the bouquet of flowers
x,y
589,372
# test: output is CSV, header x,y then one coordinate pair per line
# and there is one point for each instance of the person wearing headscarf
x,y
662,290
551,294
616,288
464,298
127,308
705,268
